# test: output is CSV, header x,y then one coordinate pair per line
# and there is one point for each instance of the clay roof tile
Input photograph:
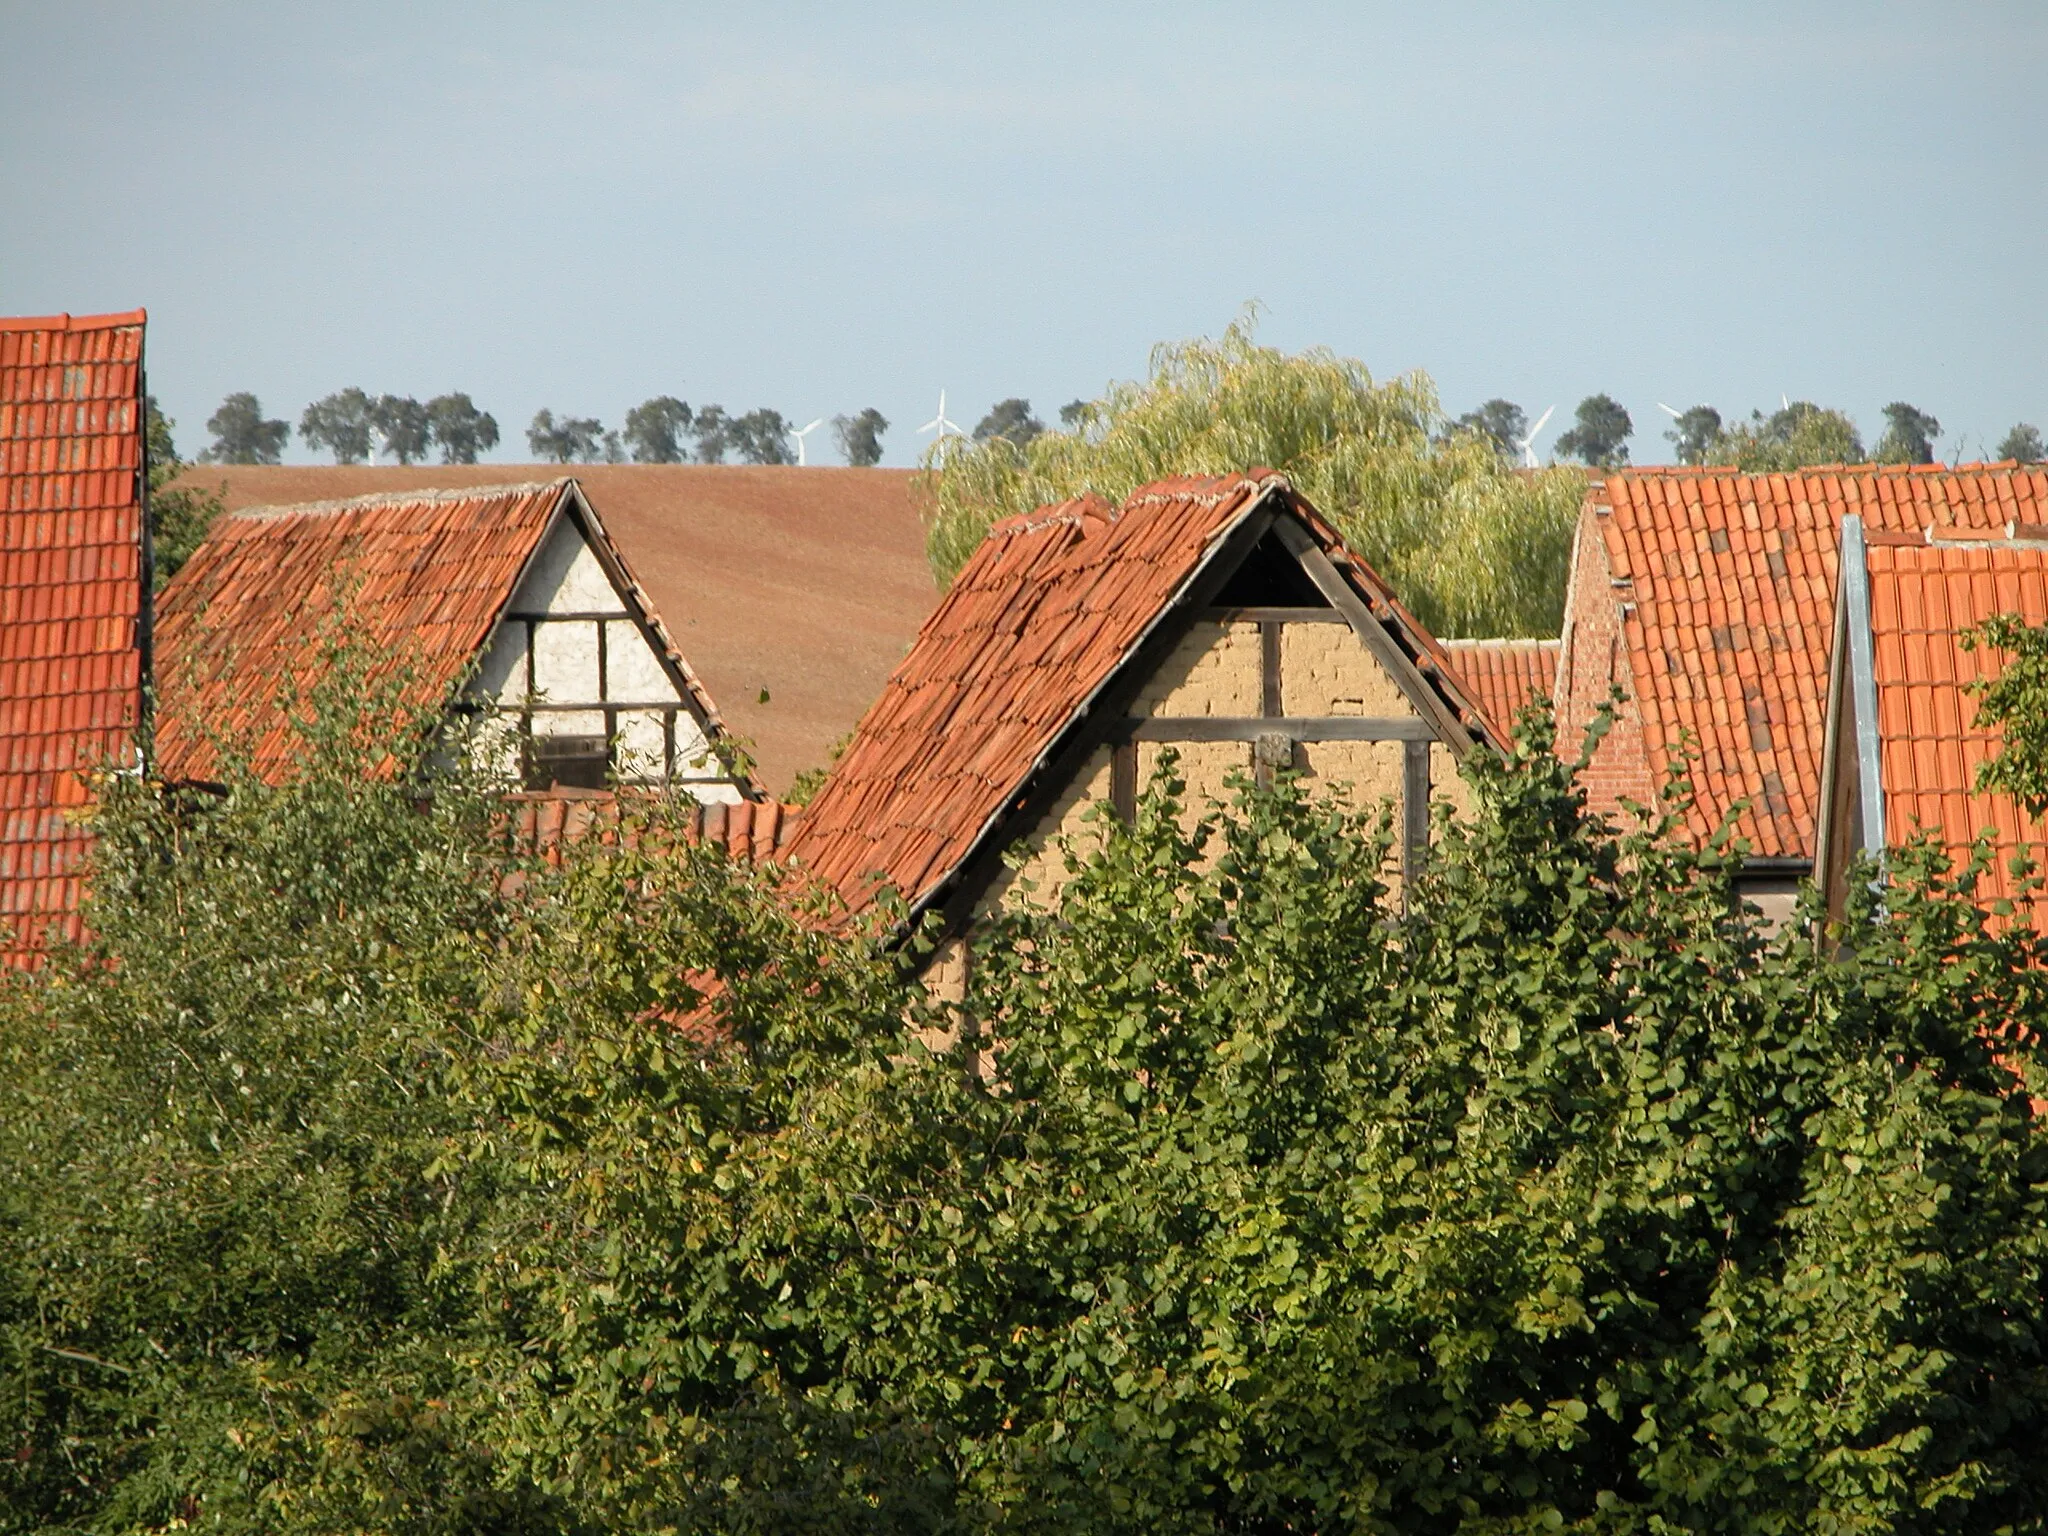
x,y
71,600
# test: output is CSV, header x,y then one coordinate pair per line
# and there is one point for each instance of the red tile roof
x,y
1503,676
1725,584
543,821
422,578
1035,624
73,596
1922,598
794,592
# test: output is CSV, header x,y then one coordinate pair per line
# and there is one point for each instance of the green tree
x,y
461,430
1694,434
340,423
1599,433
1473,546
1561,1200
179,515
1793,437
1010,419
242,435
1501,423
2015,702
654,430
221,1299
713,431
404,425
567,440
2024,444
368,1175
1909,435
860,437
760,437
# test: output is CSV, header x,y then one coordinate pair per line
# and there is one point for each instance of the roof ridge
x,y
1223,487
491,491
1862,468
121,320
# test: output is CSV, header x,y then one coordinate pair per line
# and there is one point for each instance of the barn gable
x,y
1220,617
512,595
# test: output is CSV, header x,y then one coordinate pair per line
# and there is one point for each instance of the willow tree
x,y
1473,545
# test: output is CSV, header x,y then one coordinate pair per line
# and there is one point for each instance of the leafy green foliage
x,y
242,435
760,437
1792,437
1502,423
860,437
2016,703
403,426
1694,433
178,515
654,430
1470,544
341,423
225,1292
1011,419
2024,444
1599,433
567,440
366,1176
461,430
1909,435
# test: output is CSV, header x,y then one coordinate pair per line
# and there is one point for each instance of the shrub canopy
x,y
365,1176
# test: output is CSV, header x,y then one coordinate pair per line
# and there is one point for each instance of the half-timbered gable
x,y
508,600
1220,618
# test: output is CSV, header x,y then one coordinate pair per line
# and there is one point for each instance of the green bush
x,y
367,1176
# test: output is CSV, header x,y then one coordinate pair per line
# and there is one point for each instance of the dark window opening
x,y
1270,578
568,762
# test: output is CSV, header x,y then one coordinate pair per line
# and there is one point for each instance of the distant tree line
x,y
1794,436
354,426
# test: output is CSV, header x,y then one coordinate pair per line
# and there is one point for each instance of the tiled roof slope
x,y
544,821
1725,584
1922,598
73,588
1035,623
1503,676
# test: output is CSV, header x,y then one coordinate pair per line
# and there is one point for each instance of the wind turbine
x,y
1528,444
1674,415
799,435
941,424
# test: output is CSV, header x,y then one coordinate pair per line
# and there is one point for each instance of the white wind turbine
x,y
941,424
800,434
1528,443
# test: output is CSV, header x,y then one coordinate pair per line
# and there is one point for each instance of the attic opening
x,y
1270,577
568,762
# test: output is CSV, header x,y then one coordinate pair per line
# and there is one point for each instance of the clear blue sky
x,y
578,206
